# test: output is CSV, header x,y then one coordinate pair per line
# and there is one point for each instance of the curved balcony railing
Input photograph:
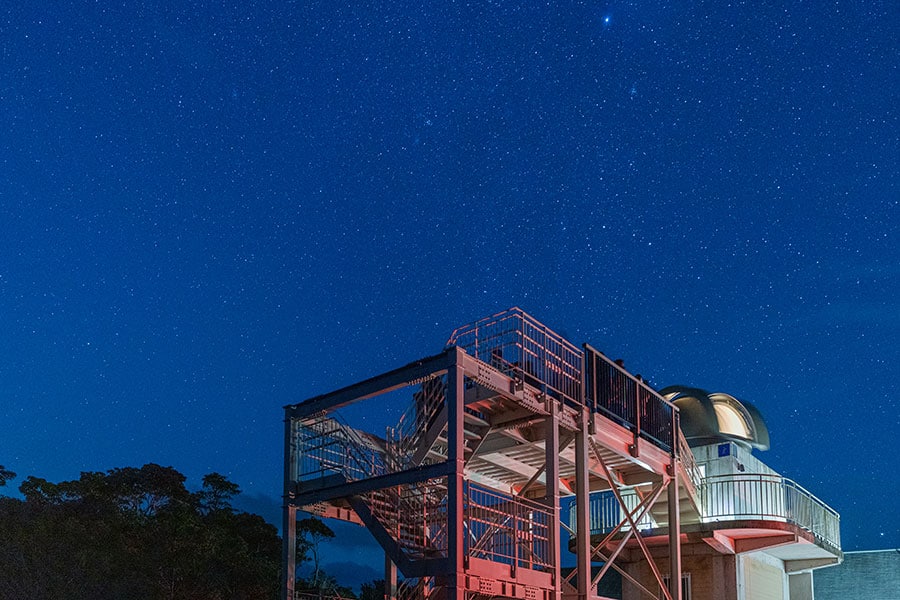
x,y
768,498
734,498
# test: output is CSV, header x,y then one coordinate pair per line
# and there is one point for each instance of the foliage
x,y
217,493
134,533
311,532
5,475
372,591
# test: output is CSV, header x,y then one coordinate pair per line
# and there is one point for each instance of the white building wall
x,y
737,460
763,577
801,586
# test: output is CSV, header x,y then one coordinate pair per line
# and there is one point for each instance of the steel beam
x,y
336,486
632,522
374,386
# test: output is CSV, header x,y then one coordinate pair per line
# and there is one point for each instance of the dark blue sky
x,y
209,210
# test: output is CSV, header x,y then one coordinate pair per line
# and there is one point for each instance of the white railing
x,y
768,497
735,498
605,513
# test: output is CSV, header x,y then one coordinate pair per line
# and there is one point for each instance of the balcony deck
x,y
743,513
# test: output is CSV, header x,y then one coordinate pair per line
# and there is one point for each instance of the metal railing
x,y
617,394
419,588
518,345
689,463
319,594
734,498
605,513
506,529
768,497
327,446
404,438
421,518
521,347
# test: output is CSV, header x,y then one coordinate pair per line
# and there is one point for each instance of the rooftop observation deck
x,y
626,414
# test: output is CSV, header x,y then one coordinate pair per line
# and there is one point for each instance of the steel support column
x,y
582,501
390,579
456,552
674,536
551,494
289,514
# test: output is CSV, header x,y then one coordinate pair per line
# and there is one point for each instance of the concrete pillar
x,y
801,586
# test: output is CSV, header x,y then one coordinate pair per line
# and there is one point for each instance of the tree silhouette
x,y
5,475
134,533
217,493
310,534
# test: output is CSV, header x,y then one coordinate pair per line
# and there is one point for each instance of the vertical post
x,y
638,424
674,517
390,579
551,494
289,552
289,515
582,520
456,590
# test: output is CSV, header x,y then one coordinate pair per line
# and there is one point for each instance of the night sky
x,y
209,210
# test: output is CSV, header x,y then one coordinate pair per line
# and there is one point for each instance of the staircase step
x,y
474,420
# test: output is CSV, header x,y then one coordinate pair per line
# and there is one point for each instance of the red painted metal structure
x,y
464,494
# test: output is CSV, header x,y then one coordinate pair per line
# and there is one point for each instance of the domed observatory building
x,y
752,534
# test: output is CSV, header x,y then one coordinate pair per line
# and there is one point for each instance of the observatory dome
x,y
712,417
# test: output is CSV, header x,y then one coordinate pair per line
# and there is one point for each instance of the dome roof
x,y
710,417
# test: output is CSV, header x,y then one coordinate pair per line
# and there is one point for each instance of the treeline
x,y
139,533
134,533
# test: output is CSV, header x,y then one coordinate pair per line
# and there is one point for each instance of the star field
x,y
212,209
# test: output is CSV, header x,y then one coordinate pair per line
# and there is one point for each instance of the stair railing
x,y
403,440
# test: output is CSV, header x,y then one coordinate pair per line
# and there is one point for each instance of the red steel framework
x,y
464,494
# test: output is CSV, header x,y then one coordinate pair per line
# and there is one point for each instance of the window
x,y
685,585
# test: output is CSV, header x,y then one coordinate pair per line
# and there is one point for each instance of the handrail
x,y
689,462
327,445
741,497
506,528
612,391
763,496
525,349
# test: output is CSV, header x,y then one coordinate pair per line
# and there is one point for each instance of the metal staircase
x,y
410,515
